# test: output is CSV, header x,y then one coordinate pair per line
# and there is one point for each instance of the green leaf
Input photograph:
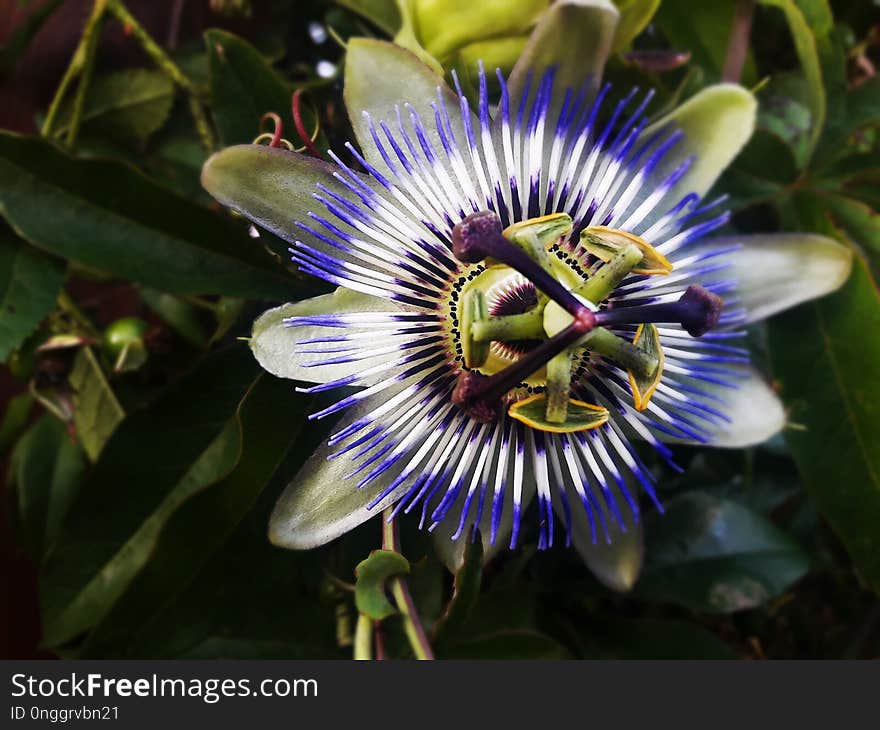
x,y
269,419
29,285
785,112
243,88
634,16
650,638
826,356
372,575
19,39
860,108
703,28
129,104
96,412
46,469
861,223
714,555
109,217
14,420
384,14
805,44
220,610
142,464
178,314
465,594
110,582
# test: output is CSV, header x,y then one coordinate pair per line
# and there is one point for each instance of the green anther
x,y
641,363
473,311
605,242
526,326
647,339
536,235
600,285
558,387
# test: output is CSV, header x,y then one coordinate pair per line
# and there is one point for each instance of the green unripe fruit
x,y
123,333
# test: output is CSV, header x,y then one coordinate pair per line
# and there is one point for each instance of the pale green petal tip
x,y
573,36
270,186
268,342
274,343
756,414
373,67
716,123
777,271
730,121
226,172
616,565
321,503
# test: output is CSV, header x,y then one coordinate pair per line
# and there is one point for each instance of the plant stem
x,y
379,641
91,36
412,623
174,24
69,307
77,64
738,44
363,638
163,61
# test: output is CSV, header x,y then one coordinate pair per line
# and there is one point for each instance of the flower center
x,y
528,319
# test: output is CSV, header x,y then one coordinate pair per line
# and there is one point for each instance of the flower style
x,y
522,300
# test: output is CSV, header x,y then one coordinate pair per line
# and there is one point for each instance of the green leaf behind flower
x,y
715,555
151,455
826,355
29,283
110,217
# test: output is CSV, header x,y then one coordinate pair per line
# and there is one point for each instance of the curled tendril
x,y
273,138
307,139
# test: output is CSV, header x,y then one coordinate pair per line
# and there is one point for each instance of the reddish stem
x,y
279,128
738,45
296,110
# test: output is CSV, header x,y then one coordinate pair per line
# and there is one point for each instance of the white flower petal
x,y
754,411
320,504
382,78
778,271
275,345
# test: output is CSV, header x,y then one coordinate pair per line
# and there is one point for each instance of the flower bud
x,y
459,33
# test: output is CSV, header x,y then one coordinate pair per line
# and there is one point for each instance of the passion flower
x,y
523,299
